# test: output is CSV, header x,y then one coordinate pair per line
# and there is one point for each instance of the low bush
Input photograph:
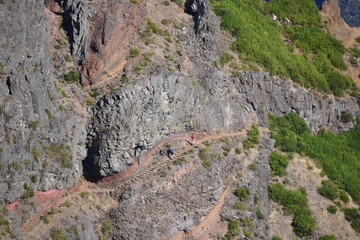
x,y
352,214
178,2
337,154
242,193
134,52
278,163
329,190
84,194
203,155
233,229
328,237
258,39
72,77
303,223
294,202
344,196
57,234
332,209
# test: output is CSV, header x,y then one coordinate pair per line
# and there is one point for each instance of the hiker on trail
x,y
161,152
193,136
274,17
170,152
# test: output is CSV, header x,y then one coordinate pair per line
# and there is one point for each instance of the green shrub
x,y
328,237
94,93
45,219
206,143
203,155
61,153
2,68
253,138
35,152
48,113
179,161
337,154
329,190
225,58
133,1
33,125
242,193
178,2
294,202
343,196
107,226
28,194
356,225
166,3
134,52
237,150
276,238
163,173
259,214
290,200
332,209
352,214
252,167
346,117
72,77
84,194
166,21
57,234
226,148
239,206
303,223
259,41
233,229
278,163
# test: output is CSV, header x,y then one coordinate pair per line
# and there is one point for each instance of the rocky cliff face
x,y
39,137
133,119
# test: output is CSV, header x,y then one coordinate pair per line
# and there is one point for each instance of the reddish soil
x,y
13,206
113,31
57,197
55,20
43,197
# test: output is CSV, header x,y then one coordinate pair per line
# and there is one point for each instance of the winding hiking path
x,y
143,171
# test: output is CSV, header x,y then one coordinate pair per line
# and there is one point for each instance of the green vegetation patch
x,y
337,154
242,193
57,234
233,229
328,237
72,77
294,202
253,138
61,153
332,209
278,163
259,40
352,215
204,156
329,190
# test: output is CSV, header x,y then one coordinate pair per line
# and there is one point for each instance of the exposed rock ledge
x,y
133,119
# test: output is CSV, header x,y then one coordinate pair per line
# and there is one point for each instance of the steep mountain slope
x,y
148,80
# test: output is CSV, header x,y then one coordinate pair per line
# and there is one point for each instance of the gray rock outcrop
x,y
39,142
75,19
130,121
